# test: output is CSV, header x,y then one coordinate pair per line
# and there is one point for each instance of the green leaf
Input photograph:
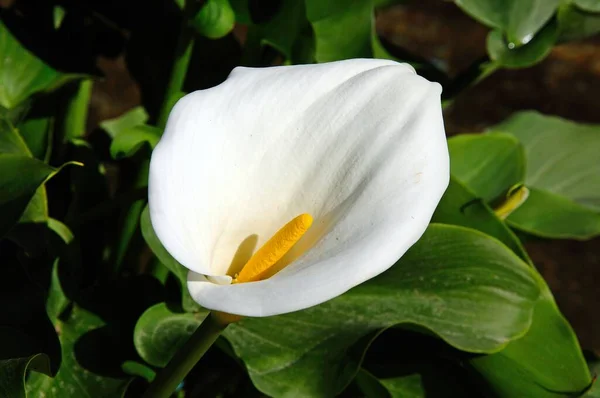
x,y
167,260
72,379
508,56
563,174
521,20
14,371
215,19
488,164
22,74
536,351
286,32
19,180
594,365
36,211
130,132
459,206
588,5
134,117
37,134
159,333
57,300
551,216
129,141
342,29
471,291
22,195
576,24
546,363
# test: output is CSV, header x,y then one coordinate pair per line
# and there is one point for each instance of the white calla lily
x,y
357,144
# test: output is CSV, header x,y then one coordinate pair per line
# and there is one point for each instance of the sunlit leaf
x,y
546,363
563,173
460,206
488,164
22,74
508,56
215,19
521,20
342,29
457,291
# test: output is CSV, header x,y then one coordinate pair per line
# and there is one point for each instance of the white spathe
x,y
358,144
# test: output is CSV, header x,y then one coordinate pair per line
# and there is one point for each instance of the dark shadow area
x,y
242,254
416,361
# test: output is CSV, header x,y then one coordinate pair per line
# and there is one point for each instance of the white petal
x,y
358,144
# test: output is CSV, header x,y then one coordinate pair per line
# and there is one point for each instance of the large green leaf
x,y
549,347
563,170
14,371
488,164
342,28
73,380
471,291
562,156
168,261
22,74
519,19
546,363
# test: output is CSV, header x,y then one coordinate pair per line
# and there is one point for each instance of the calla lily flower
x,y
349,157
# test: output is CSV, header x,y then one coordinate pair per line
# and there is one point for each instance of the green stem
x,y
184,360
185,44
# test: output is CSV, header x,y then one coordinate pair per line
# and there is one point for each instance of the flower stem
x,y
184,360
183,55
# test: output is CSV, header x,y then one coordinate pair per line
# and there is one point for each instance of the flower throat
x,y
262,262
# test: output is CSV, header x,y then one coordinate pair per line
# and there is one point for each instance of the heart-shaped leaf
x,y
471,291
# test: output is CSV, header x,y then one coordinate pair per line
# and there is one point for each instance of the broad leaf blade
x,y
546,363
305,353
